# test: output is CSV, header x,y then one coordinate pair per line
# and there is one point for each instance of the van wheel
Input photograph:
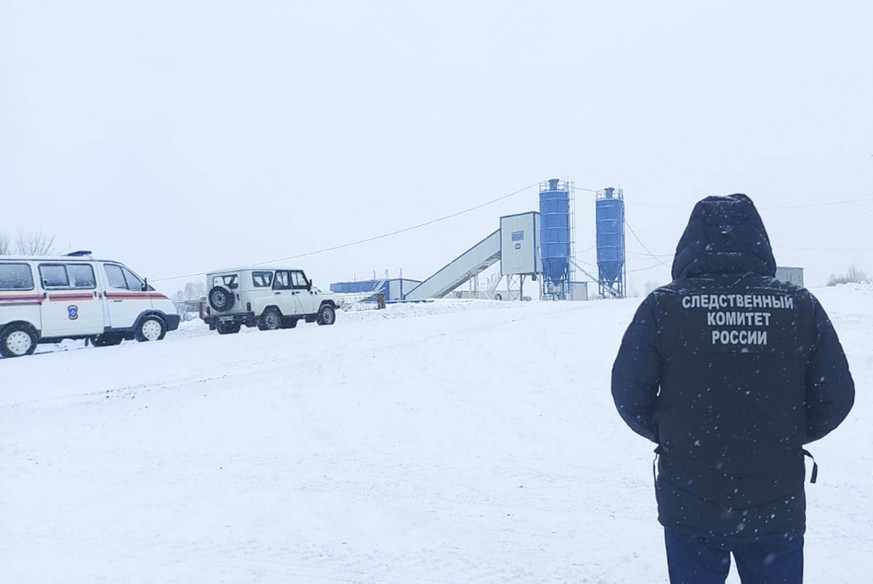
x,y
17,340
326,315
270,320
151,328
107,340
229,328
220,299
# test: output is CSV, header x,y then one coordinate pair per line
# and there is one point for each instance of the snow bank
x,y
454,441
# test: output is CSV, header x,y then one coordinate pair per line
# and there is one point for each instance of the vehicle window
x,y
134,282
298,280
230,281
16,277
262,279
81,276
54,276
282,280
115,277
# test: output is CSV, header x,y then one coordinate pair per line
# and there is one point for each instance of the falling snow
x,y
446,442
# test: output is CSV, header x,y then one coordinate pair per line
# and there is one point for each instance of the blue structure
x,y
611,265
392,290
556,238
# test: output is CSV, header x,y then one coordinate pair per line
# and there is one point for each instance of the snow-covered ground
x,y
431,443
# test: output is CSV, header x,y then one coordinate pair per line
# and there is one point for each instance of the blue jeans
x,y
699,559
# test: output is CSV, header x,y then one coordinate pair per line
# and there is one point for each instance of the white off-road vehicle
x,y
269,298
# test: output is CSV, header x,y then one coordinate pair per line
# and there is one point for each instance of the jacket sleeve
x,y
830,391
637,370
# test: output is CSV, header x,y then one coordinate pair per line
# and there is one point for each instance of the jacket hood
x,y
724,235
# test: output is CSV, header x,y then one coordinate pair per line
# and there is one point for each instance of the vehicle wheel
x,y
229,328
289,323
17,340
151,328
270,320
107,340
326,315
220,299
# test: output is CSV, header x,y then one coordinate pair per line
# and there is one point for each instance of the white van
x,y
47,299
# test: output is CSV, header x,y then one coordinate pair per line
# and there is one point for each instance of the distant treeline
x,y
30,244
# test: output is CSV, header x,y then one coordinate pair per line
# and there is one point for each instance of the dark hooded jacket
x,y
731,372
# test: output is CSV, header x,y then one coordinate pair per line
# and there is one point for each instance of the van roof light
x,y
79,253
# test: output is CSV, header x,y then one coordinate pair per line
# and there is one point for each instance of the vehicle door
x,y
303,292
126,297
262,293
286,296
232,283
71,306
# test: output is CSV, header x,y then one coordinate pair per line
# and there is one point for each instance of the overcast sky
x,y
180,137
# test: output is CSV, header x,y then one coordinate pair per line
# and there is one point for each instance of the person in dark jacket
x,y
731,372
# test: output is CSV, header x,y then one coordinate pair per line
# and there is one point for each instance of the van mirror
x,y
145,285
309,285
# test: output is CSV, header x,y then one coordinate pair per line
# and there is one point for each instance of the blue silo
x,y
555,237
610,242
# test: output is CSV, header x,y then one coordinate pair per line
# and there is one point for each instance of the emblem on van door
x,y
73,312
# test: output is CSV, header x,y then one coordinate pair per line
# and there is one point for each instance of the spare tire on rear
x,y
220,299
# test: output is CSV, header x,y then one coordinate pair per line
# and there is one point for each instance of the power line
x,y
375,237
777,208
640,241
652,267
512,194
635,204
830,204
779,247
827,217
660,255
586,263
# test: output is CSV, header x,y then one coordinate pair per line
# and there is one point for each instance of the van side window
x,y
115,277
298,280
16,277
133,281
226,281
68,276
81,276
121,278
282,281
53,276
262,279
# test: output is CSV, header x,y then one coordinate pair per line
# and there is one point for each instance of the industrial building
x,y
536,246
790,274
392,290
611,264
557,233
